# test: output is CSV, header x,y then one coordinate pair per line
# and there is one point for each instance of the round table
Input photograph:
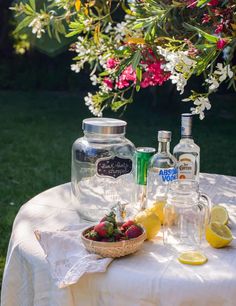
x,y
147,278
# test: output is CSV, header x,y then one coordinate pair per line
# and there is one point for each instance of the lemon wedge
x,y
218,235
158,208
194,258
219,214
150,221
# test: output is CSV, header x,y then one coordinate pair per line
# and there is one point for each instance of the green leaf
x,y
32,4
202,2
136,59
118,104
139,78
24,23
104,73
209,37
139,74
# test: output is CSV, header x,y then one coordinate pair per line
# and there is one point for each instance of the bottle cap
x,y
186,124
104,126
164,136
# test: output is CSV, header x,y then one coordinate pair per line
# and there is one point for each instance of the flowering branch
x,y
155,42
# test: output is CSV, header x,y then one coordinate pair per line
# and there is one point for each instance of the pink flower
x,y
221,43
213,3
206,18
127,75
108,82
122,84
154,75
219,28
112,63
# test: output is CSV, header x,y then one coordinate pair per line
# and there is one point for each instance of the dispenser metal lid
x,y
104,126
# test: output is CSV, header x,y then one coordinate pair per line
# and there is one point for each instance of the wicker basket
x,y
113,249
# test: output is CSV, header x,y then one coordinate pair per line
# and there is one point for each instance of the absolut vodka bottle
x,y
161,171
187,152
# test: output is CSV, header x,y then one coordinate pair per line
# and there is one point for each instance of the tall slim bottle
x,y
187,152
161,171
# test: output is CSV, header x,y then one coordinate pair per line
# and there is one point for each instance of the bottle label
x,y
186,166
114,167
167,174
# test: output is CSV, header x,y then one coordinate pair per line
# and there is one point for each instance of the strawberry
x,y
133,231
126,225
104,229
111,217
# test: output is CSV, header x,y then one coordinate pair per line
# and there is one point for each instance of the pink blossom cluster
x,y
152,73
219,18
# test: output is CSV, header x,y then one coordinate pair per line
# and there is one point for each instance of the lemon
x,y
218,235
219,214
192,258
150,221
158,208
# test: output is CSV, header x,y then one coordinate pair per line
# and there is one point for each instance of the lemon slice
x,y
192,258
150,221
219,214
218,235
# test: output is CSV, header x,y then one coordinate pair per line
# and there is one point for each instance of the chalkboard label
x,y
114,167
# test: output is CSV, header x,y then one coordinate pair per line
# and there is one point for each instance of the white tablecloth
x,y
150,277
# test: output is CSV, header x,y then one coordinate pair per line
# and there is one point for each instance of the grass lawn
x,y
38,129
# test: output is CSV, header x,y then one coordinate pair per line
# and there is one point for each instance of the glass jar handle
x,y
206,205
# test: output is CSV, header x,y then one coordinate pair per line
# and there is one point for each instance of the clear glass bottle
x,y
161,171
102,173
187,152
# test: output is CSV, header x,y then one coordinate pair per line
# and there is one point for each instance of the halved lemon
x,y
194,258
157,208
218,235
219,214
150,221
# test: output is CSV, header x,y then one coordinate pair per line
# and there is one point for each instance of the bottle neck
x,y
186,127
163,147
183,136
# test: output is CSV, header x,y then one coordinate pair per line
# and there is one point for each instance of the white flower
x,y
120,29
88,99
108,28
37,26
214,84
179,65
90,103
79,47
202,103
94,79
223,72
180,82
76,67
104,88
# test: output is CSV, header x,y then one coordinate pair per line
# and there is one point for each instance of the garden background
x,y
41,111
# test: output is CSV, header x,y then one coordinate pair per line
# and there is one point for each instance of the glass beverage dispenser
x,y
102,169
